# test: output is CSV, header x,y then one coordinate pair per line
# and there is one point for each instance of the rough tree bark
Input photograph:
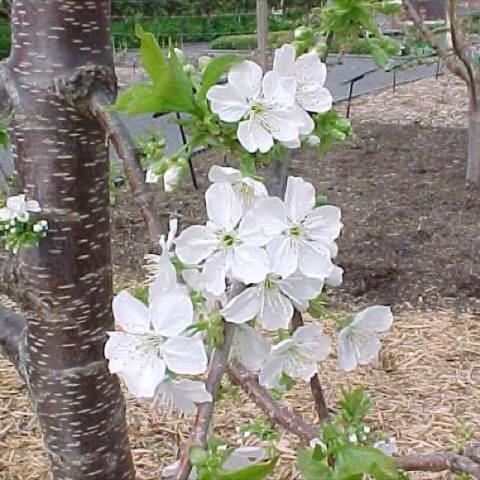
x,y
60,52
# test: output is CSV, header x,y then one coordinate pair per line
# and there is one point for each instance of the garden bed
x,y
410,240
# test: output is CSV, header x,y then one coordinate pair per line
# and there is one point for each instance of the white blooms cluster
x,y
274,106
18,208
282,251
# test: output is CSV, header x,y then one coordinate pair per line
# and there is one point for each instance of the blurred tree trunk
x,y
473,159
60,53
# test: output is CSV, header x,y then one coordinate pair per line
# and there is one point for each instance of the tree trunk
x,y
62,162
473,160
262,31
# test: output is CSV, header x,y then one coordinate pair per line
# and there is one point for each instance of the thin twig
x,y
454,66
264,400
459,50
315,385
128,152
205,410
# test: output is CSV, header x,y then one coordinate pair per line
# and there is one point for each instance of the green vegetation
x,y
4,39
249,42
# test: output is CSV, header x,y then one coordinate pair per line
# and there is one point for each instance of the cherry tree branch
x,y
315,385
128,152
198,437
459,50
452,64
274,411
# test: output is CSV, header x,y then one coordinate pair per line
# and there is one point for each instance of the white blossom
x,y
172,178
310,75
296,357
272,302
238,459
225,244
387,447
148,344
161,266
18,208
247,189
303,235
360,342
249,347
182,394
264,106
151,176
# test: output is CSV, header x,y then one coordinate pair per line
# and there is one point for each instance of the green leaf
x,y
138,99
198,456
214,71
380,57
253,472
355,404
150,54
310,468
4,138
353,461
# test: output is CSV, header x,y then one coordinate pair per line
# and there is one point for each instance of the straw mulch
x,y
425,388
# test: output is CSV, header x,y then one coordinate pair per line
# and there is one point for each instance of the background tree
x,y
462,59
61,55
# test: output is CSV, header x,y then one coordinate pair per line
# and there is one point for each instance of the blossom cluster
x,y
276,106
17,227
282,252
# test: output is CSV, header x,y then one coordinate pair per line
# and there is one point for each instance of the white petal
x,y
299,198
214,272
284,61
184,394
219,174
142,376
282,124
172,312
323,224
163,273
374,319
130,314
185,355
301,288
283,255
277,310
243,307
227,103
250,348
250,264
313,342
311,68
368,349
253,136
151,176
314,261
317,99
172,177
336,277
223,207
271,373
16,203
243,457
300,368
5,214
278,90
246,78
347,359
267,219
195,244
33,206
120,348
308,125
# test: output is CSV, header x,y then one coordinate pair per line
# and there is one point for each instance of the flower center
x,y
228,240
257,108
295,231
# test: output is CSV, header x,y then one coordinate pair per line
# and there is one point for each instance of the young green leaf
x,y
310,468
151,54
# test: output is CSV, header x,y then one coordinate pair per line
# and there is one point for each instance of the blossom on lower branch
x,y
148,347
360,342
297,356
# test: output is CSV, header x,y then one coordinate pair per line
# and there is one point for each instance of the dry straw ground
x,y
425,388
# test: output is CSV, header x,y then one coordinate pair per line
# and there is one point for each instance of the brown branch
x,y
460,52
315,385
439,462
454,66
128,152
12,328
264,400
205,410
